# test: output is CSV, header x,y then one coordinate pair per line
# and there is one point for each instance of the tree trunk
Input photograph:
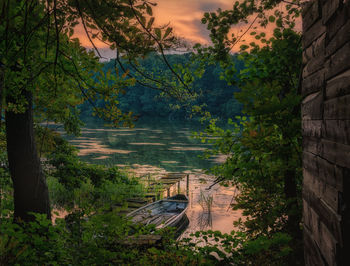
x,y
30,189
294,215
1,91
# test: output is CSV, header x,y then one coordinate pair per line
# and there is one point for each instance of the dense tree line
x,y
212,92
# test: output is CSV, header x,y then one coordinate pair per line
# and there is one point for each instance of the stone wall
x,y
326,131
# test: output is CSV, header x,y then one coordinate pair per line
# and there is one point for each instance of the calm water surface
x,y
158,147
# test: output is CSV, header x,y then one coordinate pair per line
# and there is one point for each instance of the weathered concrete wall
x,y
326,131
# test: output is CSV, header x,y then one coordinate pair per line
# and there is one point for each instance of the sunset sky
x,y
184,17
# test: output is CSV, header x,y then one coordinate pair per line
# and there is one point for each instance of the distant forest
x,y
146,102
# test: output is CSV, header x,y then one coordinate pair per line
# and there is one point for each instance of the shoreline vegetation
x,y
249,102
88,203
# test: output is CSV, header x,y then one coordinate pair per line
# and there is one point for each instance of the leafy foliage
x,y
264,146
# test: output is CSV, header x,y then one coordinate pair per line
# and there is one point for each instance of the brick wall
x,y
326,131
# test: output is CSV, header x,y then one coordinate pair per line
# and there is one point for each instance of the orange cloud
x,y
183,15
185,18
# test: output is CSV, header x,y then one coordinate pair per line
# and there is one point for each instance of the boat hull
x,y
169,212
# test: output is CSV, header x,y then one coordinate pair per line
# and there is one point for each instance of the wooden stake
x,y
187,184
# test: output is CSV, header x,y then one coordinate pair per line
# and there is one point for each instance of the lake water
x,y
158,147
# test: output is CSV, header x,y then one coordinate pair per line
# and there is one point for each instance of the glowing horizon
x,y
183,16
185,19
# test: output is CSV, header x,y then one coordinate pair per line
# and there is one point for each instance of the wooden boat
x,y
168,212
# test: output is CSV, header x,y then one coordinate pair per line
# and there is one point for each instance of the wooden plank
x,y
142,240
169,182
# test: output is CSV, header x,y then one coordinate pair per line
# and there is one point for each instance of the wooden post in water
x,y
187,184
178,187
168,192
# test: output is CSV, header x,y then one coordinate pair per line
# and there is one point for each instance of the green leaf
x,y
272,18
167,32
279,22
150,22
158,33
149,10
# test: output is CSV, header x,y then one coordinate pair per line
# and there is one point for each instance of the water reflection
x,y
146,143
160,149
210,209
187,149
156,145
205,219
103,157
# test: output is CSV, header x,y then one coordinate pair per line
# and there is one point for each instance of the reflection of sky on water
x,y
122,134
103,157
179,148
144,144
221,216
163,148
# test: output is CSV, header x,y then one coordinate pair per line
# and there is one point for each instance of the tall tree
x,y
42,65
263,149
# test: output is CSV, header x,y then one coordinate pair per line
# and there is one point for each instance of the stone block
x,y
327,244
330,173
342,37
310,14
316,49
321,189
312,145
326,215
339,62
312,252
319,46
307,215
315,31
330,195
316,63
312,183
329,9
337,108
312,107
305,7
308,54
314,221
338,86
342,175
313,83
345,255
310,163
338,20
337,131
335,152
312,128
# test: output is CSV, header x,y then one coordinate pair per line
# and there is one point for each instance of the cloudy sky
x,y
184,16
